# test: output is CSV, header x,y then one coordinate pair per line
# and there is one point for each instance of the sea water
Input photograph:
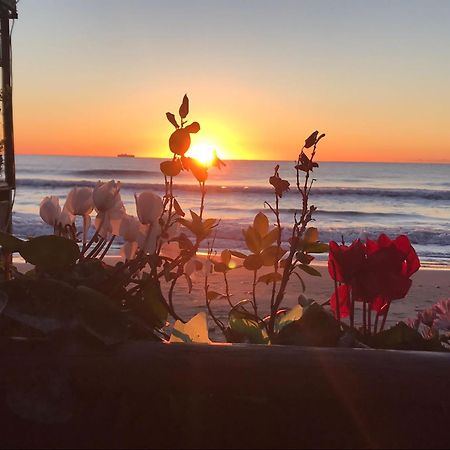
x,y
352,199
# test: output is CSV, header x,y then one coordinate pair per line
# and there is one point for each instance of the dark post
x,y
8,11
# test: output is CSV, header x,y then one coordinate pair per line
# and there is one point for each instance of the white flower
x,y
65,218
149,207
148,237
193,265
106,195
110,208
50,210
79,202
129,230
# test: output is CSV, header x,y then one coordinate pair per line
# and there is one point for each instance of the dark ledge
x,y
155,395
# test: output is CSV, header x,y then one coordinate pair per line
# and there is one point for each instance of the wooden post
x,y
8,185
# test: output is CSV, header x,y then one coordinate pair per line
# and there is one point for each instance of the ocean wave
x,y
114,173
422,194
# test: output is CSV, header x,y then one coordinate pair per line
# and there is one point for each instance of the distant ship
x,y
125,155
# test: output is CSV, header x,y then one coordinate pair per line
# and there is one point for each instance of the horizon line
x,y
245,159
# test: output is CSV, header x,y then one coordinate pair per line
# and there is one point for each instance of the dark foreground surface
x,y
155,395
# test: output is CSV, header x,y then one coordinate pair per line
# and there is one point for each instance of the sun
x,y
203,152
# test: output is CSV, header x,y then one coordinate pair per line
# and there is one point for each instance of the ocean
x,y
352,199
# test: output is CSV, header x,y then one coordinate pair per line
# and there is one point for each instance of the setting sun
x,y
203,152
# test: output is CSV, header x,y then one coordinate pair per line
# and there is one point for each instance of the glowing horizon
x,y
260,79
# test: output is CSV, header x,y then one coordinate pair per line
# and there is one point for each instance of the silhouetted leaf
x,y
213,295
199,171
171,168
225,256
10,243
50,252
317,247
184,108
270,277
253,262
100,317
271,255
194,127
179,141
311,140
178,208
281,186
311,235
172,120
238,254
305,164
270,238
310,270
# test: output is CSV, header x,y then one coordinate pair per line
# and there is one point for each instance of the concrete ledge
x,y
197,396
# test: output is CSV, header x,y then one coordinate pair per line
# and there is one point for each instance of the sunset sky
x,y
96,77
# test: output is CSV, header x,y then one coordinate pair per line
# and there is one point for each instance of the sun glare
x,y
203,152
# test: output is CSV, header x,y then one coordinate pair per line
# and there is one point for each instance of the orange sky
x,y
257,91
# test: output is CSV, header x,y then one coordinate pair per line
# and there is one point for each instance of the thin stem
x,y
255,306
202,201
352,309
108,247
227,289
364,317
336,291
383,323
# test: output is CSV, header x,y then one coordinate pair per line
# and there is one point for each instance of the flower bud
x,y
50,210
149,207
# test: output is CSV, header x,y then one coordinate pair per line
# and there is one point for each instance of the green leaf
x,y
213,295
252,240
310,270
244,324
271,255
291,316
316,247
100,318
253,262
261,224
153,309
194,331
270,238
10,243
270,277
238,254
311,235
50,252
225,256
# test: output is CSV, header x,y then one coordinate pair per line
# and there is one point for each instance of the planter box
x,y
195,396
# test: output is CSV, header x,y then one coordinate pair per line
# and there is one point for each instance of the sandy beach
x,y
429,286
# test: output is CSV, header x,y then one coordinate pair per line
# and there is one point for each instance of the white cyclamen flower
x,y
80,203
50,210
106,195
129,230
149,207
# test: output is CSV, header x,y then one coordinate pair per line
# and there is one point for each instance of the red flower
x,y
377,272
344,300
344,262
